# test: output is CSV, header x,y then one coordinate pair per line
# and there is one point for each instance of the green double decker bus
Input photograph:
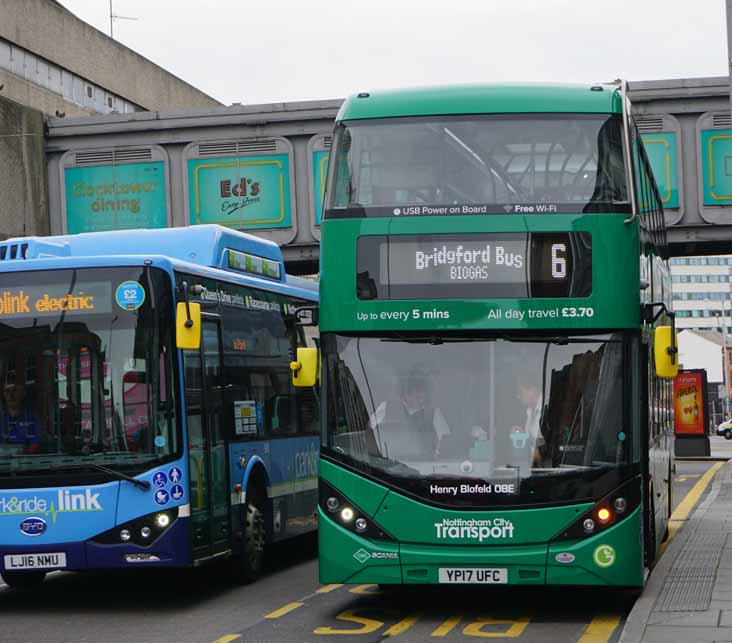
x,y
497,345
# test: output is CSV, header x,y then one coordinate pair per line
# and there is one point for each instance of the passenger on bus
x,y
528,433
18,424
415,427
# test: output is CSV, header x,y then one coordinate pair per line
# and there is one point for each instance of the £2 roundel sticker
x,y
130,295
604,556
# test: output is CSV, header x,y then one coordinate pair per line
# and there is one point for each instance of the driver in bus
x,y
18,424
421,426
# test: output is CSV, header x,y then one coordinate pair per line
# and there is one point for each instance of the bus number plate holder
x,y
51,560
473,575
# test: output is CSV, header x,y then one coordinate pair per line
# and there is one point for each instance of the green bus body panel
x,y
626,540
482,99
615,298
363,493
528,526
526,565
337,557
345,557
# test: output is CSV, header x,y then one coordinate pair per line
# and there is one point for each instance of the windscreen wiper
x,y
142,484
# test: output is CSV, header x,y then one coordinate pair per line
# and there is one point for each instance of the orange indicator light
x,y
603,515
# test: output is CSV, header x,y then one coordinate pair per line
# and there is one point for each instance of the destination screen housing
x,y
474,266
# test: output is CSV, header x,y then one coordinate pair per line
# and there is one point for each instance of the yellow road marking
x,y
290,607
686,506
687,476
448,626
365,589
600,629
228,638
515,630
368,625
403,625
327,588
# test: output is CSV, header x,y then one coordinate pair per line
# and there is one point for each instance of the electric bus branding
x,y
66,502
474,529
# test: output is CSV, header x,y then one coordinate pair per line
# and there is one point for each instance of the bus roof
x,y
206,245
482,99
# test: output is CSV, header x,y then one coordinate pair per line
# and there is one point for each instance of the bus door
x,y
207,449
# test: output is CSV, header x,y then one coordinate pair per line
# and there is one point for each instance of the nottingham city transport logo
x,y
474,529
604,556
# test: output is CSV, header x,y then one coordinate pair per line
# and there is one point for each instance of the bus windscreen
x,y
86,370
478,165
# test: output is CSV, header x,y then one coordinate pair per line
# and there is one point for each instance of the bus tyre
x,y
252,555
23,580
728,434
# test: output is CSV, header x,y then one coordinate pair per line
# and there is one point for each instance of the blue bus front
x,y
93,469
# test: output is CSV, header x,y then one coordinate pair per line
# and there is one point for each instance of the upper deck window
x,y
516,163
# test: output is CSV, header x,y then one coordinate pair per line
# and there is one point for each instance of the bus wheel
x,y
252,555
23,580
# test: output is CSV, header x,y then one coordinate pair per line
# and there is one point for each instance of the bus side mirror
x,y
305,369
665,351
188,326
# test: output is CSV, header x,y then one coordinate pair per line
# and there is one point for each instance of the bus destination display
x,y
466,266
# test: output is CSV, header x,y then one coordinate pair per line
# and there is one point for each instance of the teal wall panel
x,y
661,150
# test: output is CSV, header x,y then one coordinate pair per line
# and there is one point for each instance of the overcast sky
x,y
252,51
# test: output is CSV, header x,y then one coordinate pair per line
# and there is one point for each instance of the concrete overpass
x,y
153,169
685,125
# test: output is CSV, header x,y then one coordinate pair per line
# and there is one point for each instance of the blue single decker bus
x,y
148,416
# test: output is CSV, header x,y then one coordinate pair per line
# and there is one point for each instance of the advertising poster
x,y
245,193
320,172
115,197
689,403
661,152
716,155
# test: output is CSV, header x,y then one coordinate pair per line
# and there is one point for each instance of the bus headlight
x,y
346,514
142,531
608,511
162,520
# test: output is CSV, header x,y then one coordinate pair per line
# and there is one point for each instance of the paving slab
x,y
676,634
708,618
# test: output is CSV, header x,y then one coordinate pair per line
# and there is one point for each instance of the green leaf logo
x,y
604,556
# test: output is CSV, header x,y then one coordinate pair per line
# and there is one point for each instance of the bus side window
x,y
256,367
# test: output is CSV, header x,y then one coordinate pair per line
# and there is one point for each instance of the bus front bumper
x,y
171,549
